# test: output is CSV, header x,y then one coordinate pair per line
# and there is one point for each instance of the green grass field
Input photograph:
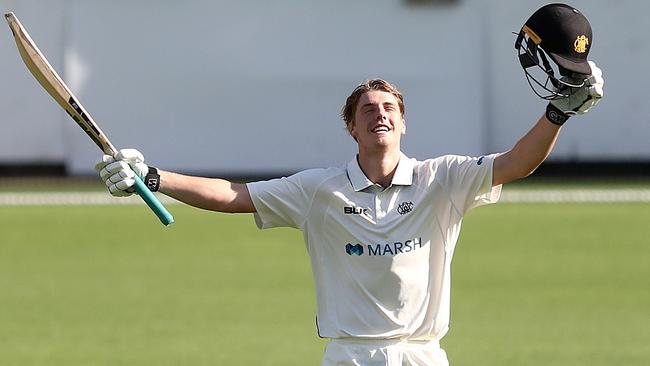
x,y
542,284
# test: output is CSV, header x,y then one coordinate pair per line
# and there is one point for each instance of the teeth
x,y
380,129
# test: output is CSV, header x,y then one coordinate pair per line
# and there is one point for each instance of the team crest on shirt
x,y
404,208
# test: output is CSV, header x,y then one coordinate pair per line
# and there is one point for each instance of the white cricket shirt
x,y
380,257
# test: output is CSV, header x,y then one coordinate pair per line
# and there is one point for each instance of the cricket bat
x,y
56,87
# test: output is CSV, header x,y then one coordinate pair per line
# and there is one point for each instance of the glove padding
x,y
119,172
580,99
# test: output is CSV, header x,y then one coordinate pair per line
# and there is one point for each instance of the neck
x,y
379,167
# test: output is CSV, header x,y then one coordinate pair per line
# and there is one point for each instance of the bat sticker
x,y
83,115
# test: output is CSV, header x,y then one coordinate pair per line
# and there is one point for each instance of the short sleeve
x,y
284,202
469,181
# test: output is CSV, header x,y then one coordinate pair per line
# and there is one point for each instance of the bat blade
x,y
45,74
56,87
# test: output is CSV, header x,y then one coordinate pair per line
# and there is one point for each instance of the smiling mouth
x,y
380,129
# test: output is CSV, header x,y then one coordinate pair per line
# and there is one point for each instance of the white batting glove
x,y
581,99
119,172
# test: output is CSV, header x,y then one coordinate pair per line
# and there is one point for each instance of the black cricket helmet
x,y
563,34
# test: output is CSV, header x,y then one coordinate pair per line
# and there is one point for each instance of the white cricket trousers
x,y
354,352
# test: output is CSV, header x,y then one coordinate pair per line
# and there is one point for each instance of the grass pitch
x,y
542,284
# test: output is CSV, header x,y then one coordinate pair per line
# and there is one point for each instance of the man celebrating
x,y
381,231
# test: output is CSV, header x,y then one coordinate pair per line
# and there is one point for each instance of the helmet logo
x,y
581,43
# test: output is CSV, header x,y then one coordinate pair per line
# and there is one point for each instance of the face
x,y
378,121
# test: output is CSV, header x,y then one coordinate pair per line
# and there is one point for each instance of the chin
x,y
384,145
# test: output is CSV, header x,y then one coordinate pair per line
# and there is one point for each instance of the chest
x,y
376,212
397,223
376,204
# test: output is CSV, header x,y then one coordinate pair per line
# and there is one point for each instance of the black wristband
x,y
556,116
152,179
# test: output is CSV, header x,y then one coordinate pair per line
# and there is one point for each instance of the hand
x,y
119,172
579,99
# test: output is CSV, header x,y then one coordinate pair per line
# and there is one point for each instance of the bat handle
x,y
153,202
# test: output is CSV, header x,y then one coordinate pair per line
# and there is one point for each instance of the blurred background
x,y
254,88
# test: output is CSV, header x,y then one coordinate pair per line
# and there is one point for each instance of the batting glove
x,y
580,99
119,172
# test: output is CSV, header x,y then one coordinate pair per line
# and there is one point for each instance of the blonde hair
x,y
350,107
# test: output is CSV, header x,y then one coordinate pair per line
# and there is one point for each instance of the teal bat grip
x,y
153,202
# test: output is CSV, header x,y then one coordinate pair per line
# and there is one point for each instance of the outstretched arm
x,y
207,193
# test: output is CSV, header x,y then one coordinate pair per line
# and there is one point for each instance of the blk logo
x,y
480,160
354,249
351,210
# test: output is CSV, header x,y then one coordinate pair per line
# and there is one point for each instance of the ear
x,y
353,131
403,128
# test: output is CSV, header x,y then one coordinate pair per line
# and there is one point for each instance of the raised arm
x,y
529,152
206,193
532,149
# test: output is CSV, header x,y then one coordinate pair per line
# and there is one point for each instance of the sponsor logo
x,y
354,249
388,249
351,210
151,183
404,208
480,160
556,117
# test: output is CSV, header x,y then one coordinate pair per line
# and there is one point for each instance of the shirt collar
x,y
403,174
